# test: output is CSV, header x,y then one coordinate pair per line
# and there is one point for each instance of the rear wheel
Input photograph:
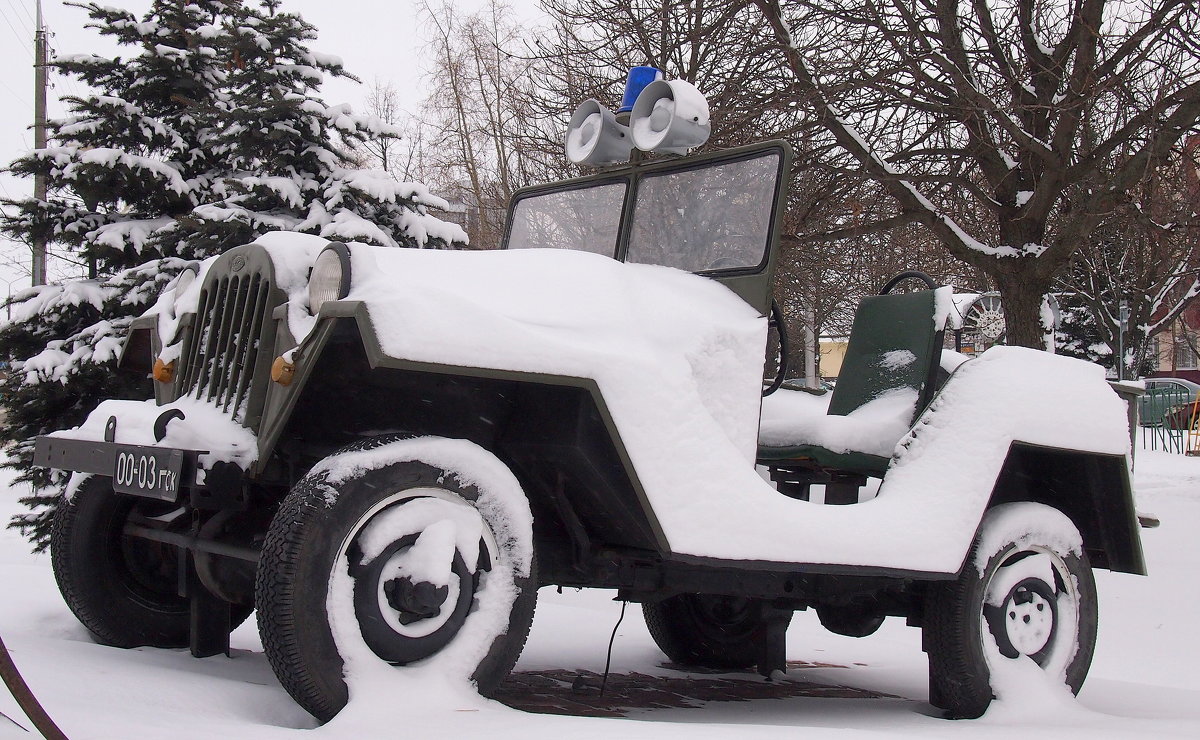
x,y
405,563
1026,593
722,632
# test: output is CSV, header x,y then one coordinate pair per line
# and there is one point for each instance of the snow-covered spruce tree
x,y
64,341
148,172
130,158
291,155
1077,335
126,162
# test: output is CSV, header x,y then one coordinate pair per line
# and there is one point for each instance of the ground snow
x,y
1143,681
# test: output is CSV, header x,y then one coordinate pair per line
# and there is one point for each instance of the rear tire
x,y
719,632
1026,591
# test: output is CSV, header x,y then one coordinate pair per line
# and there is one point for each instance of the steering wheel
x,y
908,275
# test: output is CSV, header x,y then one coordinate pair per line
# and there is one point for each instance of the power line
x,y
7,192
72,88
20,38
28,15
23,10
17,95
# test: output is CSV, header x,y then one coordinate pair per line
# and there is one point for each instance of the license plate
x,y
148,471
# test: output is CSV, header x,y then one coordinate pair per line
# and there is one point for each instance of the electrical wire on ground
x,y
611,640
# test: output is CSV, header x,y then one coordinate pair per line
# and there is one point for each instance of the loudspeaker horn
x,y
669,116
595,138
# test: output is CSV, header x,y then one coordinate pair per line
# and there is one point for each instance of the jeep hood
x,y
651,337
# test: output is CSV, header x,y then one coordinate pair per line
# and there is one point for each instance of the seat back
x,y
894,343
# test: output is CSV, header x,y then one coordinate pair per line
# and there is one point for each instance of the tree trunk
x,y
1022,299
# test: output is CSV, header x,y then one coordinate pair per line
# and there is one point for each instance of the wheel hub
x,y
414,601
1029,620
1025,623
413,587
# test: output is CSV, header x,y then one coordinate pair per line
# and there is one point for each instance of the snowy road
x,y
1143,683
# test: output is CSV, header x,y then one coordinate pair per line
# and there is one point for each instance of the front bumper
x,y
162,473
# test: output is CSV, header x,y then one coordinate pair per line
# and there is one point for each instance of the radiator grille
x,y
223,353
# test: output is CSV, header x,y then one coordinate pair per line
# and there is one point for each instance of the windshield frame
x,y
633,175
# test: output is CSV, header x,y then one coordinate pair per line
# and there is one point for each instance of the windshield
x,y
585,219
707,214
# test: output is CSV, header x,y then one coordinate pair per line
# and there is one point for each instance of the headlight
x,y
183,282
330,279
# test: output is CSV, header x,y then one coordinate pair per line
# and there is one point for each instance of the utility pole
x,y
812,347
1123,318
39,137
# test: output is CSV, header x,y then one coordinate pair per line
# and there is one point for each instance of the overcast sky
x,y
377,39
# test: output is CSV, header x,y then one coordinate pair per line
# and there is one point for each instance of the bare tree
x,y
473,116
721,47
1011,130
383,103
1146,257
726,50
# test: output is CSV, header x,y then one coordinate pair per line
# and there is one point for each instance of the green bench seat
x,y
895,343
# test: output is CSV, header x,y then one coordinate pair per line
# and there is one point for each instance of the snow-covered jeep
x,y
386,452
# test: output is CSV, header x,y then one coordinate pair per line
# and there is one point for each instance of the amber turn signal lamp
x,y
282,371
164,372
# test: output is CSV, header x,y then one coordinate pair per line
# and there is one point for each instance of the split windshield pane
x,y
586,219
709,218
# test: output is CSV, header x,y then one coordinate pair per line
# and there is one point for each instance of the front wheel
x,y
124,589
381,555
1026,593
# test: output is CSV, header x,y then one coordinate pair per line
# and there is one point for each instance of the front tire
x,y
123,589
719,632
409,552
1026,592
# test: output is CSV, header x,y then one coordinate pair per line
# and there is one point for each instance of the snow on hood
x,y
292,255
651,337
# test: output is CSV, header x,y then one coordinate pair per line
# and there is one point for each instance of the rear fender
x,y
1092,489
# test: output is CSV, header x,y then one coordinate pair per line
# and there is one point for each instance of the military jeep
x,y
386,452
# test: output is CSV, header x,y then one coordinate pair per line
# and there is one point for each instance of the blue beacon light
x,y
638,78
